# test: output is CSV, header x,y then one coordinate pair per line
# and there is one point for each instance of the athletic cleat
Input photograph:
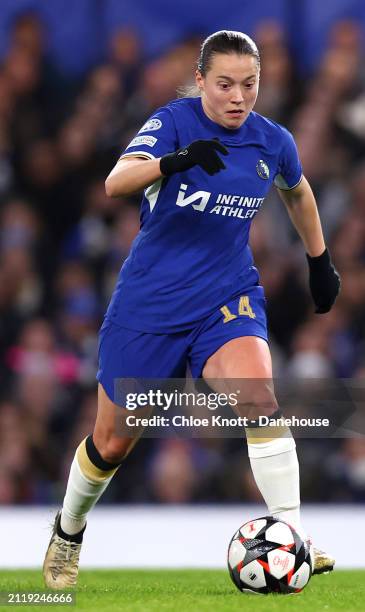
x,y
323,563
61,564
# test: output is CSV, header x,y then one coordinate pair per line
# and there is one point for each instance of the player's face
x,y
229,88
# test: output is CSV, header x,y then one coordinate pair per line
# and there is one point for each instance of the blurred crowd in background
x,y
62,242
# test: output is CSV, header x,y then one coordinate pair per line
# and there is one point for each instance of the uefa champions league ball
x,y
267,555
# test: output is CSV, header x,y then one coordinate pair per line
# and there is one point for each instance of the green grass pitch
x,y
190,590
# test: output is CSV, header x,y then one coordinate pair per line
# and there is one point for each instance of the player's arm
x,y
302,209
132,174
324,280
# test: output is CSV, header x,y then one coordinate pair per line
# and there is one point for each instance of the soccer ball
x,y
266,555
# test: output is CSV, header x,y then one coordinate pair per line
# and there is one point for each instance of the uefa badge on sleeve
x,y
262,169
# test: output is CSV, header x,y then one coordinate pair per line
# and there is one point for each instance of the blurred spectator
x,y
37,353
277,86
126,55
345,472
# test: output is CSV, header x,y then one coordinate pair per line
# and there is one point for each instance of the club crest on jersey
x,y
262,169
151,126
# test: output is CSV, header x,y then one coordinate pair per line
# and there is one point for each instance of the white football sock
x,y
81,496
276,471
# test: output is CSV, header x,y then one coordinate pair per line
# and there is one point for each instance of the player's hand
x,y
324,281
203,153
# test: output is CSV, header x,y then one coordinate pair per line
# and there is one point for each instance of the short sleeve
x,y
290,170
155,138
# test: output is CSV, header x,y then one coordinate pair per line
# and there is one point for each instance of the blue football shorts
x,y
130,354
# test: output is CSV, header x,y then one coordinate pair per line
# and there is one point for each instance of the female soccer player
x,y
189,294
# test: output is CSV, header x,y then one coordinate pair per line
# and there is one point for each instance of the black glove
x,y
201,153
324,281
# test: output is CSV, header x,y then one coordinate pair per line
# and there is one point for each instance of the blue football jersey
x,y
191,254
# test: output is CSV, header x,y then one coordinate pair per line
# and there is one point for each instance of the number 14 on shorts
x,y
244,309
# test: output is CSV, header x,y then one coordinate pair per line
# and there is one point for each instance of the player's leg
x,y
124,354
271,451
233,345
96,460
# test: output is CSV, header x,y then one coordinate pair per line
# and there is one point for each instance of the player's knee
x,y
258,404
113,449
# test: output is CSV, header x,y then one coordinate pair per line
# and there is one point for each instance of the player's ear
x,y
199,79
